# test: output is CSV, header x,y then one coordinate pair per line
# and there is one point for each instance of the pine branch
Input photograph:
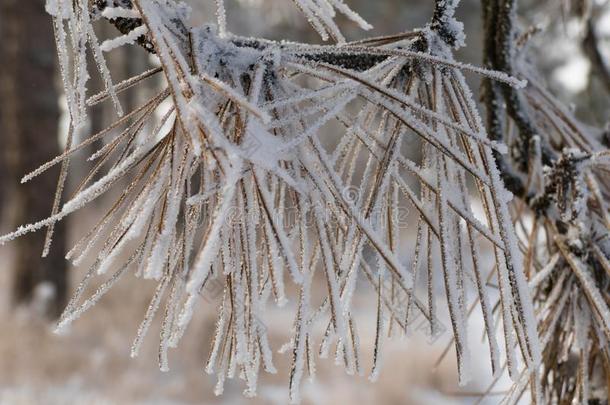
x,y
562,165
500,25
592,50
245,137
494,102
443,23
122,24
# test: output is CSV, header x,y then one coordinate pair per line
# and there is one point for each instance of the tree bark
x,y
29,131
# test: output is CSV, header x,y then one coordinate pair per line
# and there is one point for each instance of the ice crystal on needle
x,y
213,189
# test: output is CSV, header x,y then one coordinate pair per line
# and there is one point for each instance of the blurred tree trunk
x,y
3,169
29,133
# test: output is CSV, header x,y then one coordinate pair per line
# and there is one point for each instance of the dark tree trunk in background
x,y
29,136
3,168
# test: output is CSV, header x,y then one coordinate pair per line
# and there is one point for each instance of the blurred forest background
x,y
91,364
